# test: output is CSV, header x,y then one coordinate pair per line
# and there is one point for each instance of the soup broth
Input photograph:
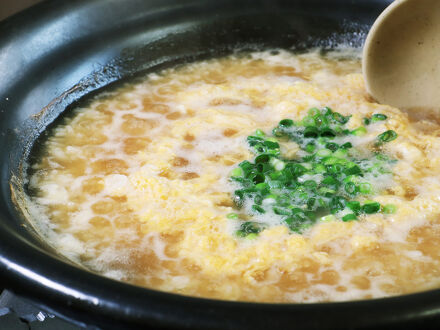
x,y
137,186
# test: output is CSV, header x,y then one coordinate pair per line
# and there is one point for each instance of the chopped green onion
x,y
387,136
310,184
318,183
311,203
262,186
311,132
332,146
309,121
263,167
365,188
355,206
263,158
286,123
240,233
389,209
347,145
340,118
337,204
327,111
350,188
236,172
298,170
370,208
328,218
349,217
353,169
321,121
281,210
327,132
250,227
336,168
329,180
278,132
310,148
327,192
340,153
283,199
319,168
360,131
238,198
351,178
324,153
378,117
257,178
273,196
313,112
245,165
277,164
251,236
259,133
271,145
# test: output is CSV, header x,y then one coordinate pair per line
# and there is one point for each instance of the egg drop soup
x,y
266,176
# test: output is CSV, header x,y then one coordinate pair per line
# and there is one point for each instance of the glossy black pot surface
x,y
54,54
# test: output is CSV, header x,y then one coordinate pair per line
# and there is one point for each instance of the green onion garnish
x,y
259,133
360,131
350,188
371,207
349,217
387,136
249,227
355,206
378,117
365,188
389,209
328,218
321,185
236,172
286,123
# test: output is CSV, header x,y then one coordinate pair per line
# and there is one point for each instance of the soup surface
x,y
137,185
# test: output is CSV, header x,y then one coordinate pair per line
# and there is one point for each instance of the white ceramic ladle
x,y
401,58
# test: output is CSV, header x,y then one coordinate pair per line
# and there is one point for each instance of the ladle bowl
x,y
401,57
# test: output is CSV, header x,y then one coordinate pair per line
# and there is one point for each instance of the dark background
x,y
10,7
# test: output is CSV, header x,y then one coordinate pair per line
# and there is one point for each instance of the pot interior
x,y
57,55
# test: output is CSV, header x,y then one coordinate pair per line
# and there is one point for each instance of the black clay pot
x,y
54,54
